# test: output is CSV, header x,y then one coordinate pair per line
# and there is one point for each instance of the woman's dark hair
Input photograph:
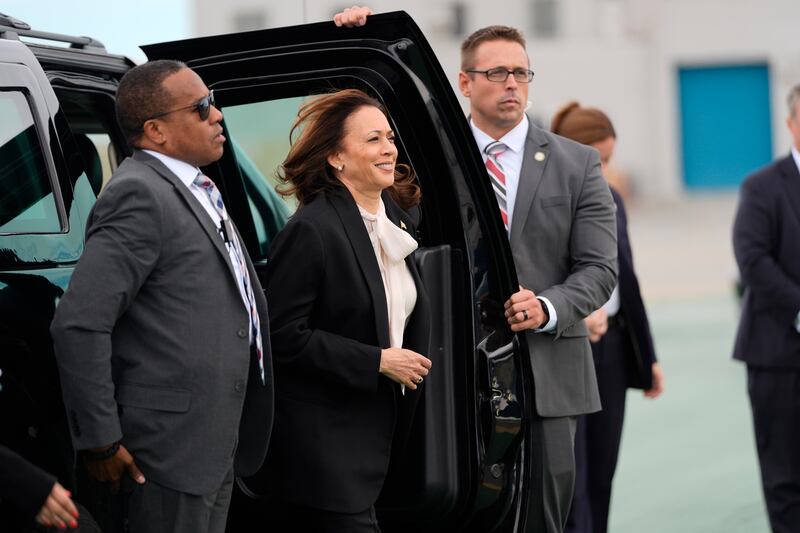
x,y
306,172
585,125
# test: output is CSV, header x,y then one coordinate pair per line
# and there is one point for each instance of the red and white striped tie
x,y
498,176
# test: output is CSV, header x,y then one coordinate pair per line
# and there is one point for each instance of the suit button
x,y
242,333
239,387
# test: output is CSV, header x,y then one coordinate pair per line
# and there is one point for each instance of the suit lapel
x,y
791,181
534,161
194,205
356,232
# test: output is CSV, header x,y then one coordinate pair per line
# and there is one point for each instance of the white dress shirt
x,y
613,304
511,160
186,173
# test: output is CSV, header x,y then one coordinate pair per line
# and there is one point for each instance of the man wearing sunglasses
x,y
161,338
559,215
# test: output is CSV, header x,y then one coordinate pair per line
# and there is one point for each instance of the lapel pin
x,y
402,225
539,156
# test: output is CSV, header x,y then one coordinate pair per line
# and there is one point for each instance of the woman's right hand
x,y
58,510
404,366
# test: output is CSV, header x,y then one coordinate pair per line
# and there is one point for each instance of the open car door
x,y
464,467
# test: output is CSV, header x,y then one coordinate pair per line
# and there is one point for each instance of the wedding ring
x,y
420,380
525,313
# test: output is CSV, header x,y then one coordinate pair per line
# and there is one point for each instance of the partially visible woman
x,y
622,346
349,317
34,492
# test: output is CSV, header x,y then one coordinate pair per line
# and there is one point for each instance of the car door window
x,y
27,204
260,139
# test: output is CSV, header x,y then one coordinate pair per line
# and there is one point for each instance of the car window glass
x,y
260,138
104,150
27,204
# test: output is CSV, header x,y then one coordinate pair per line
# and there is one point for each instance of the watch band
x,y
108,453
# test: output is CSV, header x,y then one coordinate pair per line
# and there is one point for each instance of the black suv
x,y
59,143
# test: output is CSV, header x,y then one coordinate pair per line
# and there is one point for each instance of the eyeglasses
x,y
203,108
500,74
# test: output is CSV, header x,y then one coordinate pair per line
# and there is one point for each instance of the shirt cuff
x,y
551,324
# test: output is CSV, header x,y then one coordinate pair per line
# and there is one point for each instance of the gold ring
x,y
420,380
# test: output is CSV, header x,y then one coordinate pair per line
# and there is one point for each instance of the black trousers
x,y
287,517
598,436
775,401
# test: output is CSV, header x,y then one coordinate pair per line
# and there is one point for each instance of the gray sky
x,y
120,25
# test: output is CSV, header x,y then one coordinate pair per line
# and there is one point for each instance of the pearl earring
x,y
340,167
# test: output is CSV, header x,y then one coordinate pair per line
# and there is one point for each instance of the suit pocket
x,y
154,397
553,201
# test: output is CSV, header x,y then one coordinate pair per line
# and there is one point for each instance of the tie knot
x,y
203,181
495,148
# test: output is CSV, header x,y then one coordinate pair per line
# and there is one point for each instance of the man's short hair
x,y
793,100
140,96
489,33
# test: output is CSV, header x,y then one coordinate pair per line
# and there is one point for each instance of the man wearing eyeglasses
x,y
559,215
161,338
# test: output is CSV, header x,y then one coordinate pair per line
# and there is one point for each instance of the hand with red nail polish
x,y
58,510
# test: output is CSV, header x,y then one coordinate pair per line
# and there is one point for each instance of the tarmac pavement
x,y
688,461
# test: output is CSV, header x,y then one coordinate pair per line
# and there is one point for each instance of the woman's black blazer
x,y
639,350
337,416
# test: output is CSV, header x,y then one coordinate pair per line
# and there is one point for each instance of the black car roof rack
x,y
12,28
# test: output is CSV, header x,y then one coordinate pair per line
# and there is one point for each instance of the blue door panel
x,y
725,123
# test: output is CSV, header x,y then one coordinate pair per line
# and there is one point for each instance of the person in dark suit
x,y
622,346
161,338
349,317
766,242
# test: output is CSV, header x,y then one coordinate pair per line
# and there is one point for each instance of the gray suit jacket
x,y
564,242
152,337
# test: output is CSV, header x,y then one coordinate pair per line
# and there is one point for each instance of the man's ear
x,y
153,132
463,83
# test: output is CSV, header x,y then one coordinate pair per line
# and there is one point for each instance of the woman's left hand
x,y
658,383
404,366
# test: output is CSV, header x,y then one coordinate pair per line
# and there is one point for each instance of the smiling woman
x,y
344,129
349,318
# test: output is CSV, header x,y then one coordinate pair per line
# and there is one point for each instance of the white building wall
x,y
619,55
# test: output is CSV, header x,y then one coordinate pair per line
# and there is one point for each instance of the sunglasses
x,y
203,108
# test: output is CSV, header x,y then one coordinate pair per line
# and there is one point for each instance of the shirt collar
x,y
514,139
796,156
185,172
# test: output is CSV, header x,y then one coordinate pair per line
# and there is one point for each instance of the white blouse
x,y
392,245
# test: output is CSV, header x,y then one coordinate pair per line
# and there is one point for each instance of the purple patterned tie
x,y
239,265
